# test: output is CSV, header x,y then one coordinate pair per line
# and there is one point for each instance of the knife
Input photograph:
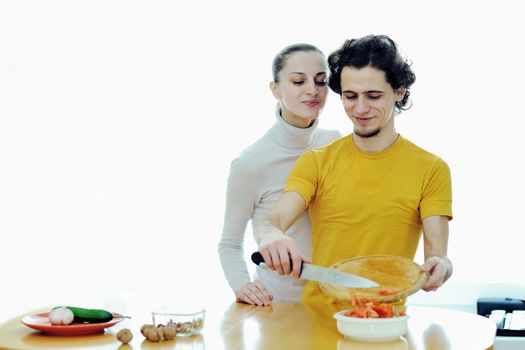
x,y
324,275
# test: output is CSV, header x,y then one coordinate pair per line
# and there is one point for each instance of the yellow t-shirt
x,y
366,203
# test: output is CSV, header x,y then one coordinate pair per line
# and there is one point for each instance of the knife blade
x,y
325,275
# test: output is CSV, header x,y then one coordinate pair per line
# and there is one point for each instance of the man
x,y
373,191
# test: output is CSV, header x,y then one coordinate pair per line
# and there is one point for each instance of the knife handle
x,y
257,259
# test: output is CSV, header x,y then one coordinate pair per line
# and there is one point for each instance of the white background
x,y
119,119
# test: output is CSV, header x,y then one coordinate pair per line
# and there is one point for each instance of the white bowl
x,y
371,329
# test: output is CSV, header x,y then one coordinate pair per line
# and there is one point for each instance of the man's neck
x,y
377,143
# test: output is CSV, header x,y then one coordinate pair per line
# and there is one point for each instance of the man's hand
x,y
278,250
437,264
439,270
281,254
254,293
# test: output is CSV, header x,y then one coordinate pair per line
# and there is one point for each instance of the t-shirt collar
x,y
387,151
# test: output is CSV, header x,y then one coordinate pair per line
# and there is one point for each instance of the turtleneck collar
x,y
289,136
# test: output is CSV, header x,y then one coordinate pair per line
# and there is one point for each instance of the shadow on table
x,y
63,341
195,342
345,343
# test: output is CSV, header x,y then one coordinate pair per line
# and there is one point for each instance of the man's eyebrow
x,y
368,91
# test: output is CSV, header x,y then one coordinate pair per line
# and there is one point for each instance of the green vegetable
x,y
83,315
90,315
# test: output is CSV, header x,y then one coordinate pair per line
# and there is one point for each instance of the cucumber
x,y
83,315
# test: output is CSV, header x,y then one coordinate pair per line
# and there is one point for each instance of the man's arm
x,y
276,248
437,264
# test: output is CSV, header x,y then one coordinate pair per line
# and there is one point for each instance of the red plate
x,y
41,322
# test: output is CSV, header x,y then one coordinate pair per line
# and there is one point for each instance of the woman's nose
x,y
312,88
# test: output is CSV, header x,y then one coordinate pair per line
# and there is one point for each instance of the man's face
x,y
368,100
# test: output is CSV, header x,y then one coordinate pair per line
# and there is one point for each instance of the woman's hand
x,y
254,293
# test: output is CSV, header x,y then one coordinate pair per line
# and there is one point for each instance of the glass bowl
x,y
371,329
187,321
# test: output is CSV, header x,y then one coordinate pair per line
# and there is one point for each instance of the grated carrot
x,y
389,291
368,308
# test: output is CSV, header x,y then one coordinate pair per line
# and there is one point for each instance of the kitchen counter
x,y
280,326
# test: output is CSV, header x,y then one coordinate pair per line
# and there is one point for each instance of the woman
x,y
257,177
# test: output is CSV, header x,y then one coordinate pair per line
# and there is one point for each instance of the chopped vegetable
x,y
390,291
368,308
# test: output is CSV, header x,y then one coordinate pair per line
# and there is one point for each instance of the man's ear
x,y
275,90
400,93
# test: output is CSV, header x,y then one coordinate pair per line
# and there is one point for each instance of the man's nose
x,y
361,105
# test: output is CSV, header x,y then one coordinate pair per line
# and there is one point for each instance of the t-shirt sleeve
x,y
303,178
437,193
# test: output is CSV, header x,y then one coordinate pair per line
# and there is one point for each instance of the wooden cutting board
x,y
392,273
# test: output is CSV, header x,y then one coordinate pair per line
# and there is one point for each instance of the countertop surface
x,y
280,326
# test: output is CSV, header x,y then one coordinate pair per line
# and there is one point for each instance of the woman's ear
x,y
275,90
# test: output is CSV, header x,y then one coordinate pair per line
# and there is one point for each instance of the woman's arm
x,y
241,198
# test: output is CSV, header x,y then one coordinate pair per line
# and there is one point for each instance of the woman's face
x,y
302,87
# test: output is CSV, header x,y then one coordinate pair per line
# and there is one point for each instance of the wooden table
x,y
281,326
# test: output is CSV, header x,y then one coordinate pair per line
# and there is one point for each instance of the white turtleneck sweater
x,y
257,178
